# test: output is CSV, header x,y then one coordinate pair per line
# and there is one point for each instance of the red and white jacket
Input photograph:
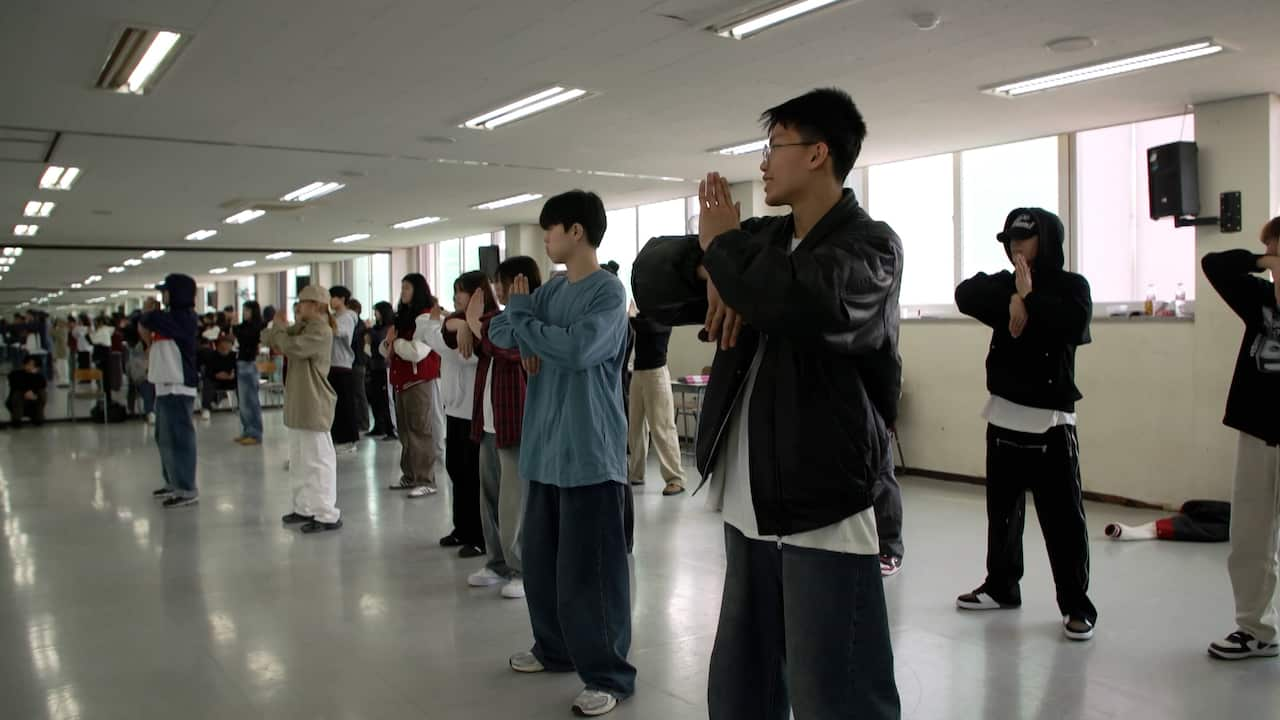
x,y
411,360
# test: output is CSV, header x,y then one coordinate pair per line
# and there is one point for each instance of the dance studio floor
x,y
111,608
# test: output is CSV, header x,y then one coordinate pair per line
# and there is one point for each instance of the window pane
x,y
380,282
994,181
471,251
662,218
448,265
916,198
620,243
1121,249
360,281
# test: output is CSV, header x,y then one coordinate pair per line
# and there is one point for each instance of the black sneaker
x,y
470,551
450,540
163,492
294,518
1076,628
176,501
1240,645
315,526
980,600
890,565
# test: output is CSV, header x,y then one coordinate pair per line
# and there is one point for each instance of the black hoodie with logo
x,y
1255,387
1036,369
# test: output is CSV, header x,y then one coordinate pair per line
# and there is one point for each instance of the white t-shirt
x,y
731,487
1020,418
489,425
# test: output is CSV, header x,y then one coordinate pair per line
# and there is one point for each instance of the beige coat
x,y
309,399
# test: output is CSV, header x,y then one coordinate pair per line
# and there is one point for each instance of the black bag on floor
x,y
115,412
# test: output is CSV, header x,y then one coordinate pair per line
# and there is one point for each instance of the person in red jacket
x,y
496,423
415,370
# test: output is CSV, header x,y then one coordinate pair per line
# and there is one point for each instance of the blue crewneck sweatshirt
x,y
575,431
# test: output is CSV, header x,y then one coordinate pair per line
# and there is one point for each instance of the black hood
x,y
1052,257
181,289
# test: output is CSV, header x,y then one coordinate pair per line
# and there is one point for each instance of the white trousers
x,y
1255,537
313,467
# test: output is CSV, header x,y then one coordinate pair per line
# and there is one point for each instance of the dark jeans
x,y
361,398
344,412
578,583
176,438
462,460
379,401
1049,466
803,630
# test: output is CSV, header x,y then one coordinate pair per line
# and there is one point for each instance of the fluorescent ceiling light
x,y
57,177
316,189
5,268
279,255
132,262
7,261
202,234
115,269
507,201
524,107
26,230
245,263
92,279
1108,68
217,271
244,216
161,46
748,148
13,252
38,209
96,300
153,255
120,293
76,286
352,238
767,19
137,60
416,222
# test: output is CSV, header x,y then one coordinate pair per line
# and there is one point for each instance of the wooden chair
x,y
268,386
96,392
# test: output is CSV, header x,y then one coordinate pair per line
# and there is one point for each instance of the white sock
x,y
1116,531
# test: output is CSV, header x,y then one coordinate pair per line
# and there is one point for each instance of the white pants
x,y
438,428
1255,533
653,413
313,466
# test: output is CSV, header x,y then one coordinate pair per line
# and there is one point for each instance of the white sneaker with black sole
x,y
593,703
978,600
1240,645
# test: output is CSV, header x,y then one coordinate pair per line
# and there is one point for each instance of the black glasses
x,y
768,149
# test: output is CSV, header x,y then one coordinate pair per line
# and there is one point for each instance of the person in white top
x,y
457,390
1039,314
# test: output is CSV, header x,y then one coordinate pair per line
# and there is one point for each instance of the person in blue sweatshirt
x,y
572,334
171,368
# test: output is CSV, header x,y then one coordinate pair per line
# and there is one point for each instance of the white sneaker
x,y
205,415
514,589
1240,645
422,491
526,662
151,418
484,577
345,449
591,703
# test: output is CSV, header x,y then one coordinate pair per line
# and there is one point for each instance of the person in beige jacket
x,y
309,402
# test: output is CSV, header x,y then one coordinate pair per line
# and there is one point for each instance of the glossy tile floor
x,y
113,608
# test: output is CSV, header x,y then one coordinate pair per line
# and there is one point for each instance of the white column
x,y
527,240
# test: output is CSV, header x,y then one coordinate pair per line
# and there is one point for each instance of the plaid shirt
x,y
508,385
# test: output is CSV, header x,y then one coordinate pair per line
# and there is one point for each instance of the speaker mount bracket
x,y
1228,219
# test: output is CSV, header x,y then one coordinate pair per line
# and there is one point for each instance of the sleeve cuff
x,y
520,303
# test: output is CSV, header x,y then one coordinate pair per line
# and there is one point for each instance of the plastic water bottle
x,y
1180,301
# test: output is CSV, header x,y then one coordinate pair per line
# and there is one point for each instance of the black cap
x,y
1020,225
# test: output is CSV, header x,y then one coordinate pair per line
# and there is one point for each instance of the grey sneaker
x,y
591,703
526,662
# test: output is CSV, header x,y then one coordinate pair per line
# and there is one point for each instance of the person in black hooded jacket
x,y
1039,314
1252,411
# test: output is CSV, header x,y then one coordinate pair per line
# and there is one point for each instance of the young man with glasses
x,y
805,310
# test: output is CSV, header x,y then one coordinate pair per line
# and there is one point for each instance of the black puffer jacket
x,y
830,374
1037,369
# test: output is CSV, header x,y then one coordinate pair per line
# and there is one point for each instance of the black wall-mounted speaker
x,y
1173,184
